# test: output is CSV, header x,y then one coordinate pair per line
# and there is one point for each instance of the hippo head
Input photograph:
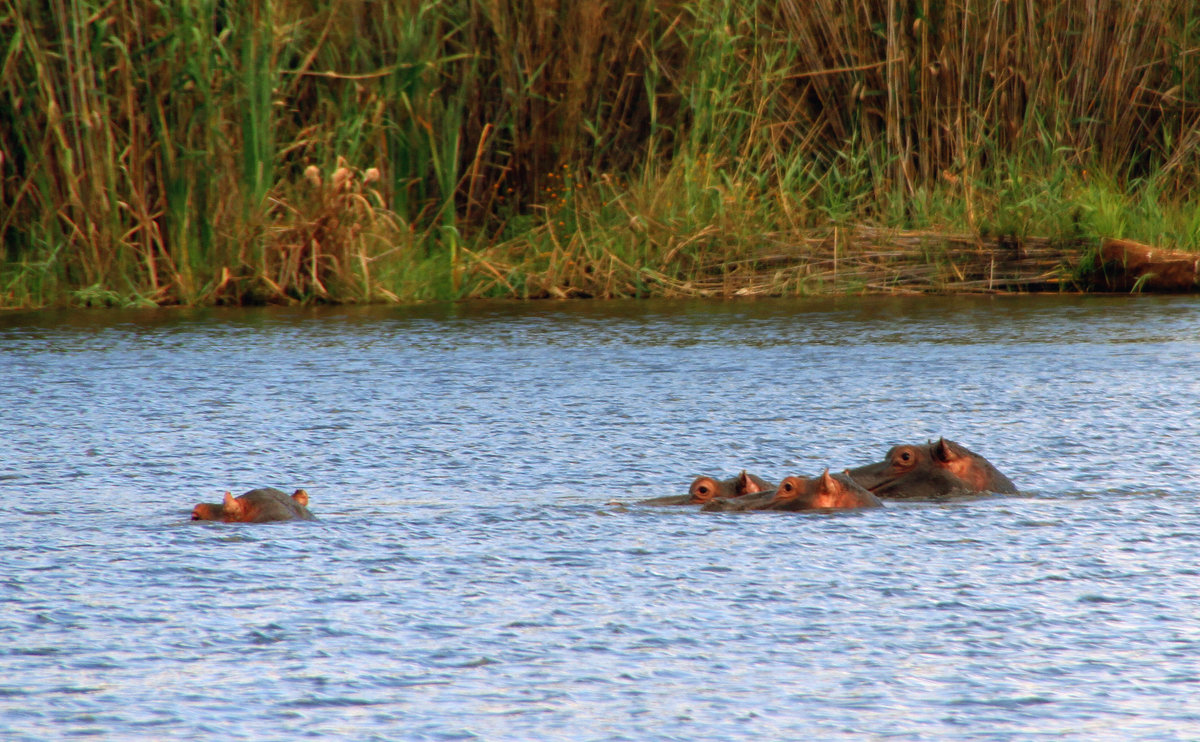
x,y
975,470
828,491
888,476
706,489
929,471
229,510
213,511
206,511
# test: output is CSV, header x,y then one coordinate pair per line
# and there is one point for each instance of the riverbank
x,y
877,261
207,153
838,262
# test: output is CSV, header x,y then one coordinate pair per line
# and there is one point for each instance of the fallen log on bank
x,y
1125,265
867,260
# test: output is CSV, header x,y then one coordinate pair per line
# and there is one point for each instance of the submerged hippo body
x,y
706,489
257,506
931,471
826,492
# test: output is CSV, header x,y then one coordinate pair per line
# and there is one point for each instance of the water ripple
x,y
482,569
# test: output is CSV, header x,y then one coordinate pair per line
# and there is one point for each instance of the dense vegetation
x,y
219,152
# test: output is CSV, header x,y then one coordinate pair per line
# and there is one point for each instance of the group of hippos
x,y
929,471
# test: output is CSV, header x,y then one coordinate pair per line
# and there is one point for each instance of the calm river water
x,y
481,569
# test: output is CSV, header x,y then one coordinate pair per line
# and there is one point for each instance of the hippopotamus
x,y
931,471
257,506
826,492
706,489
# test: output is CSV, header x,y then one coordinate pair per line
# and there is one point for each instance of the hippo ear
x,y
301,497
231,505
944,450
828,483
746,485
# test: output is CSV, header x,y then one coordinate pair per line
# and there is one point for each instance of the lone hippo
x,y
931,471
706,489
257,506
826,492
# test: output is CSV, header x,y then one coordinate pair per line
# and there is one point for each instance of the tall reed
x,y
157,152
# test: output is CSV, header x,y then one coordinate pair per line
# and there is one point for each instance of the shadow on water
x,y
758,323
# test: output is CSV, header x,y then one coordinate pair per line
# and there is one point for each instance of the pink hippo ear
x,y
231,505
746,485
301,497
946,451
828,483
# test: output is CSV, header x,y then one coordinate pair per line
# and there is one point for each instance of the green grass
x,y
159,152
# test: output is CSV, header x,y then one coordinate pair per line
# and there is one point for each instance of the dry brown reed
x,y
318,242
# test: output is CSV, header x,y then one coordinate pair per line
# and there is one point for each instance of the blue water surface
x,y
482,569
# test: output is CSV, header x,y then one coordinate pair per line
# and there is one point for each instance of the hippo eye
x,y
703,490
789,486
